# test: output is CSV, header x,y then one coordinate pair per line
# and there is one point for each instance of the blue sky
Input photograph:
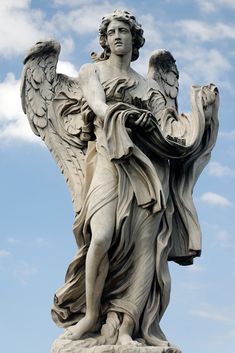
x,y
36,240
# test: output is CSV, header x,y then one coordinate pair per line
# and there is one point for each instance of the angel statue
x,y
131,161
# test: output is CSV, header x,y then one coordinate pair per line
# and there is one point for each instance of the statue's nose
x,y
117,34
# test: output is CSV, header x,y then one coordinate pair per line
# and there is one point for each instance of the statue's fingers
x,y
139,121
149,128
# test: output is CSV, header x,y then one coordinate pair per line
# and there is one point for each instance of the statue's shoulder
x,y
88,72
138,77
87,68
142,84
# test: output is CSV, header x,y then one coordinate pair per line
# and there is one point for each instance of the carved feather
x,y
163,70
53,103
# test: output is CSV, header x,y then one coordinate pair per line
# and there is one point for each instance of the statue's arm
x,y
92,90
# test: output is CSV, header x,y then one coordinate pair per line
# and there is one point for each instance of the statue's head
x,y
135,28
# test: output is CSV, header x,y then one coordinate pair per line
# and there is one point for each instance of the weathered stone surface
x,y
131,161
67,346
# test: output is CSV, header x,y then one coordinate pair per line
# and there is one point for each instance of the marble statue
x,y
131,161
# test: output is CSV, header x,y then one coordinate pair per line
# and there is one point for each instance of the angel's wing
x,y
163,69
56,110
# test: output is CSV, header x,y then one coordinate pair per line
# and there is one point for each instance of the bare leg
x,y
96,269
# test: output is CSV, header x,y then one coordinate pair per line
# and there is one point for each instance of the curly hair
x,y
135,28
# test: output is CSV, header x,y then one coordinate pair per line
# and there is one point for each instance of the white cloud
x,y
212,198
67,68
212,313
13,123
74,3
215,5
32,24
153,41
12,4
152,31
224,239
207,5
24,271
201,31
83,20
219,170
4,253
41,241
197,62
195,269
67,46
207,65
202,64
231,333
230,135
20,26
9,97
12,240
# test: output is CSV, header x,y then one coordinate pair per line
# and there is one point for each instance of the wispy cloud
x,y
210,315
207,5
230,135
195,269
13,122
201,31
210,312
24,271
20,26
194,59
231,333
82,19
212,198
12,240
74,3
225,239
67,68
219,170
4,253
215,5
220,236
41,241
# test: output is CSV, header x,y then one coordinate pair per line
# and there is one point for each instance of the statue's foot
x,y
75,332
125,339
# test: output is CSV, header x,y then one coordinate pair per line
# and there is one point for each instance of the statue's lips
x,y
117,44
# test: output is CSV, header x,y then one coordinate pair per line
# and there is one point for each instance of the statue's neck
x,y
120,63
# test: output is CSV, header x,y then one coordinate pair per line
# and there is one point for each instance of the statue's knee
x,y
101,241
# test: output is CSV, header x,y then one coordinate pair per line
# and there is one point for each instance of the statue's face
x,y
119,37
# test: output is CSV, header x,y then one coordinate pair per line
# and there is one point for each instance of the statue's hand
x,y
143,119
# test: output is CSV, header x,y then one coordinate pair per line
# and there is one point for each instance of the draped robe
x,y
151,175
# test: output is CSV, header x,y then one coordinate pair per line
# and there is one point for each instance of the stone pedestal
x,y
84,346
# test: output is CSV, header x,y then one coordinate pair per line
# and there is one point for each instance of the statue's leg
x,y
102,225
97,265
142,277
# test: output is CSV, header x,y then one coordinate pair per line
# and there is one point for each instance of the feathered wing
x,y
55,110
162,68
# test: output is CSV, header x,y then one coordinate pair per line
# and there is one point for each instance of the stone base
x,y
86,346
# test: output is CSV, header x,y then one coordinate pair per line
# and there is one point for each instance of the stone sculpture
x,y
131,162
